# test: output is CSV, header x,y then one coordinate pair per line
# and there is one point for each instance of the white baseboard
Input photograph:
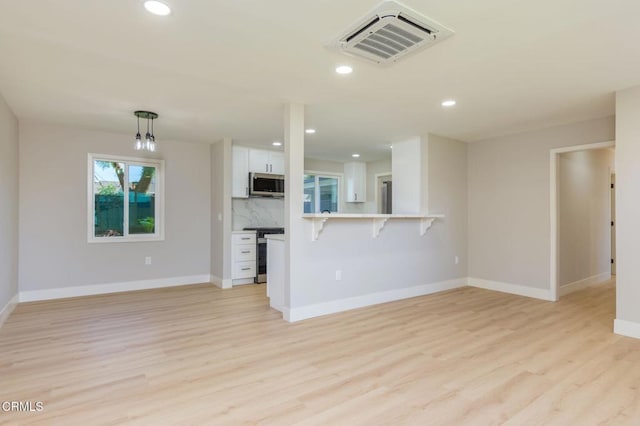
x,y
310,311
220,282
520,290
241,281
89,290
583,283
8,308
626,328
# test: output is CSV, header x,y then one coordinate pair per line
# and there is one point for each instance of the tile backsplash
x,y
252,212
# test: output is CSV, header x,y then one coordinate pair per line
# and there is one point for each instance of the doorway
x,y
384,188
555,222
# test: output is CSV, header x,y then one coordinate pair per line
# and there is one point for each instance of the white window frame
x,y
158,235
319,174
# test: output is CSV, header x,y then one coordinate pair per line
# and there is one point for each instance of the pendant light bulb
x,y
138,145
147,137
152,145
138,142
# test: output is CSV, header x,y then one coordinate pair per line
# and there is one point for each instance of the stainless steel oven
x,y
261,250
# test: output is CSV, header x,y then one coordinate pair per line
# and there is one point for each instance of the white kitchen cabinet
x,y
355,177
276,159
243,255
263,161
239,172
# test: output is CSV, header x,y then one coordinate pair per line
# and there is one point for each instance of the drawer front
x,y
244,269
238,239
244,252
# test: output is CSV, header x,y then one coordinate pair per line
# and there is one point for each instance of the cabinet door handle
x,y
245,251
271,167
356,195
266,167
247,188
245,269
245,238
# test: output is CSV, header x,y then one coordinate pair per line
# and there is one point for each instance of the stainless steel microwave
x,y
266,185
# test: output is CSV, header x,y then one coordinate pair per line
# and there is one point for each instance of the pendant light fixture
x,y
149,143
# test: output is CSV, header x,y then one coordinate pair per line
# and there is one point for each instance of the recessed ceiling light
x,y
157,7
355,155
448,103
390,146
276,143
310,131
344,69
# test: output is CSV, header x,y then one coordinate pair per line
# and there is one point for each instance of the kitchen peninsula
x,y
275,270
276,245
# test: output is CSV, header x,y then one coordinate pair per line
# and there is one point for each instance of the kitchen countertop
x,y
243,232
277,237
369,216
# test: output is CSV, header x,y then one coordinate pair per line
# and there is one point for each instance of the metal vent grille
x,y
391,33
388,41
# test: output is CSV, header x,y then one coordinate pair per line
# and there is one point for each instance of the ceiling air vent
x,y
390,32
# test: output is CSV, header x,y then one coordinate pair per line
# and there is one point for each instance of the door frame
x,y
614,224
376,196
553,207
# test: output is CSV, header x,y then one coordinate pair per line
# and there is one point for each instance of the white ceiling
x,y
217,68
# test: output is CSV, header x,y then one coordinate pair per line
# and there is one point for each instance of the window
x,y
125,199
321,193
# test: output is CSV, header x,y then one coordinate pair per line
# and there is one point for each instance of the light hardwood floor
x,y
200,355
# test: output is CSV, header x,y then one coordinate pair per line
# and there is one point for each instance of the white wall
x,y
584,219
447,189
399,258
54,252
407,175
509,201
327,166
8,205
628,208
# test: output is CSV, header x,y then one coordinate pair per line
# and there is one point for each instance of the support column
x,y
294,193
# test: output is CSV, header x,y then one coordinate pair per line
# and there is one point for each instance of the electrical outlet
x,y
456,260
338,275
147,260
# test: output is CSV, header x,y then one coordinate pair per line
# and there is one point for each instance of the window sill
x,y
138,239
